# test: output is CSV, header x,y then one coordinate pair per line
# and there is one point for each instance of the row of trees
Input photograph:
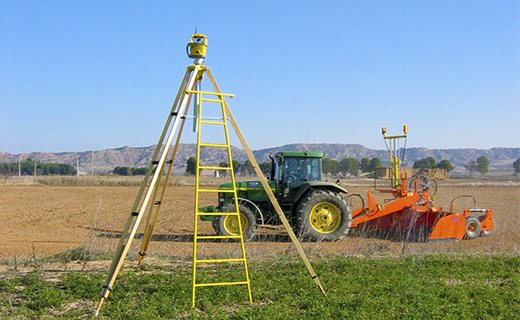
x,y
127,171
244,169
30,167
350,166
431,163
481,165
346,166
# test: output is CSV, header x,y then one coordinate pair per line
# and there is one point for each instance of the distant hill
x,y
106,160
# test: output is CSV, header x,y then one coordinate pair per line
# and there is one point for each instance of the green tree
x,y
482,165
223,164
266,167
139,171
326,165
246,168
350,166
330,166
446,165
236,166
375,163
471,166
426,163
516,165
334,167
365,165
191,166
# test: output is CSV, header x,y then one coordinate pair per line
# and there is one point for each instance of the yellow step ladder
x,y
199,190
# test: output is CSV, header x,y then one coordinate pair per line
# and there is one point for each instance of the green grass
x,y
428,287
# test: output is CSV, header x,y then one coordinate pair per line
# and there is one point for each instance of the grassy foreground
x,y
428,287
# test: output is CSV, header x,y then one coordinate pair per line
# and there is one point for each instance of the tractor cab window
x,y
313,169
294,169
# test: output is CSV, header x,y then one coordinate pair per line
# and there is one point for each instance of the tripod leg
x,y
136,216
150,222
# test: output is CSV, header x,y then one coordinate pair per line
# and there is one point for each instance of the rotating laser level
x,y
196,49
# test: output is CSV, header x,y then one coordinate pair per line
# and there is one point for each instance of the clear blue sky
x,y
92,75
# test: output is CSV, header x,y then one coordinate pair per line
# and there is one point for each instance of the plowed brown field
x,y
45,220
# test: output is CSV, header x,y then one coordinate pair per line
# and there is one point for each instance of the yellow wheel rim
x,y
231,224
325,217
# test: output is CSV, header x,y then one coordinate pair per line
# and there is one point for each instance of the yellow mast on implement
x,y
149,198
395,160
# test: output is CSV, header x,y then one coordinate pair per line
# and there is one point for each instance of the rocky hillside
x,y
106,160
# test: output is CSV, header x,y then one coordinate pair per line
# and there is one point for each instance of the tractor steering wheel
x,y
291,177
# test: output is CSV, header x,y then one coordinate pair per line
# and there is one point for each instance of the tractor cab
x,y
292,169
296,166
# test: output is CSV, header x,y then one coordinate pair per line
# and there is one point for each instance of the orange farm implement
x,y
412,212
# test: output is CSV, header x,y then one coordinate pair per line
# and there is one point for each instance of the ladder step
x,y
214,168
218,145
212,122
217,190
221,260
217,213
218,237
220,284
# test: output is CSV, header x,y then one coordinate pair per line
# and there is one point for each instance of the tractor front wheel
x,y
227,225
324,215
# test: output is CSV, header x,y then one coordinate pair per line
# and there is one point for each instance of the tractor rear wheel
x,y
472,228
227,225
324,215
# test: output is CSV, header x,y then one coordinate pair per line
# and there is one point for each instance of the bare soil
x,y
38,221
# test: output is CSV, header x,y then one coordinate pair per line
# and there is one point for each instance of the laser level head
x,y
196,49
405,129
383,130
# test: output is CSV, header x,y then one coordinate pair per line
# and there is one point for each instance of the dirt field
x,y
45,220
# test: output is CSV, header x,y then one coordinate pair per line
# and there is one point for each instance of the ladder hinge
x,y
135,213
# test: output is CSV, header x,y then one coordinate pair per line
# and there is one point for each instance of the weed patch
x,y
410,287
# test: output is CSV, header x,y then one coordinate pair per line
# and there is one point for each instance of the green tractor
x,y
315,208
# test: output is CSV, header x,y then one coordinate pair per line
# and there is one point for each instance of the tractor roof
x,y
307,154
